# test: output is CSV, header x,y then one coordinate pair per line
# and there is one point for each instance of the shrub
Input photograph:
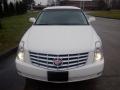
x,y
6,8
102,5
116,4
0,25
1,14
1,10
17,6
11,9
21,8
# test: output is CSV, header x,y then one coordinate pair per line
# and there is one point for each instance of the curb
x,y
8,53
104,17
107,17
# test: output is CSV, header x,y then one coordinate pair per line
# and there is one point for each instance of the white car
x,y
61,46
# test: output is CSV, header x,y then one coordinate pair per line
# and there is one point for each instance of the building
x,y
87,4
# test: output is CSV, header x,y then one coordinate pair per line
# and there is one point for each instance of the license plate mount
x,y
57,76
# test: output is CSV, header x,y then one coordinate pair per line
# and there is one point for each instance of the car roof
x,y
61,7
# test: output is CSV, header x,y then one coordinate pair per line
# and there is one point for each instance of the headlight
x,y
20,54
98,52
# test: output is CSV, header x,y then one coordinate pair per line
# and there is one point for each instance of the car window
x,y
62,17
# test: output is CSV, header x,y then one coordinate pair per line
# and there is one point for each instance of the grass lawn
x,y
114,14
12,30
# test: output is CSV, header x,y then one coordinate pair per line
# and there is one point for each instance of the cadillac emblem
x,y
57,62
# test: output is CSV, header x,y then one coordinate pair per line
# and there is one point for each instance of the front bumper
x,y
86,72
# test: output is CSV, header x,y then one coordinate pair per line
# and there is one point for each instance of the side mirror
x,y
91,19
32,19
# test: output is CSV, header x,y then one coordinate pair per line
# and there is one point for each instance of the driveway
x,y
109,31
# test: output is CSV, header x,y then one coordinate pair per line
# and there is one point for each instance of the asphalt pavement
x,y
109,31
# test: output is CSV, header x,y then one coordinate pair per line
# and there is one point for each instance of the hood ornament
x,y
57,61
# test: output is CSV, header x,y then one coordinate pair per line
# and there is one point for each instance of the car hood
x,y
60,39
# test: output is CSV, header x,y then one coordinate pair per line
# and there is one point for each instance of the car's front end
x,y
70,73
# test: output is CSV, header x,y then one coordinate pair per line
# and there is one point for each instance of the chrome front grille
x,y
68,60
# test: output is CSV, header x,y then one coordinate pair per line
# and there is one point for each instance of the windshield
x,y
62,17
